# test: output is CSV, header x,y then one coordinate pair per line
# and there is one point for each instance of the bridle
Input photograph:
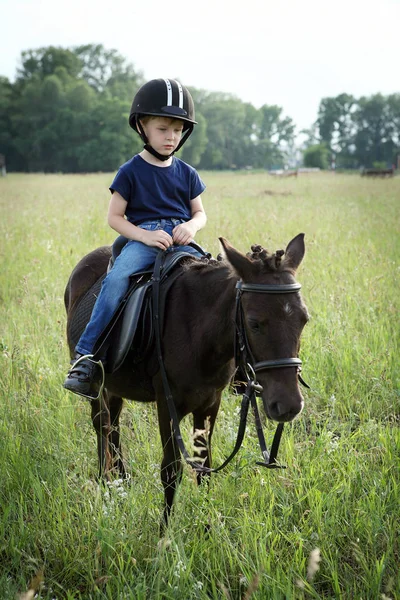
x,y
243,355
245,361
244,358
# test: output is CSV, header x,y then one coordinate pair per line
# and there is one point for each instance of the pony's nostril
x,y
280,412
277,409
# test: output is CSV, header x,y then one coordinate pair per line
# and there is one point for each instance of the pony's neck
x,y
212,292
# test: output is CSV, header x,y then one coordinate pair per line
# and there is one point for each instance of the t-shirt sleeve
x,y
122,184
197,185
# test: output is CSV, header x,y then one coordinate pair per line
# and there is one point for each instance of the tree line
x,y
67,111
355,133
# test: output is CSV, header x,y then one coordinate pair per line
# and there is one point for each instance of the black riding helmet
x,y
163,98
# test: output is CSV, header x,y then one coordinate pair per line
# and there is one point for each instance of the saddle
x,y
131,330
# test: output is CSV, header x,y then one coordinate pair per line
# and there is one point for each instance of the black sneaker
x,y
85,377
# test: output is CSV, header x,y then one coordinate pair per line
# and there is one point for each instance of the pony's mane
x,y
204,263
263,260
268,262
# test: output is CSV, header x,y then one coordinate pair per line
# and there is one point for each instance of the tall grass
x,y
340,492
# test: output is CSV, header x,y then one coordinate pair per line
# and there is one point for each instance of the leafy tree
x,y
316,156
109,141
6,133
45,61
195,146
361,131
74,125
239,135
107,69
377,121
273,133
336,126
225,118
80,97
312,134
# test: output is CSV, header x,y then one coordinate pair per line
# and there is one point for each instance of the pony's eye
x,y
254,325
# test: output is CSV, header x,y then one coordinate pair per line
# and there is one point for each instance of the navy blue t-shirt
x,y
157,192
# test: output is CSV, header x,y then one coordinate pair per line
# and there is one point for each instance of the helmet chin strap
x,y
157,154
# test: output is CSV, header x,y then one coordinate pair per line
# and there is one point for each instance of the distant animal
x,y
378,172
198,344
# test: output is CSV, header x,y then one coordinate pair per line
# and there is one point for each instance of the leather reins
x,y
244,359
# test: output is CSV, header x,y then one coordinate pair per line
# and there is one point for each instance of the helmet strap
x,y
155,153
141,131
185,136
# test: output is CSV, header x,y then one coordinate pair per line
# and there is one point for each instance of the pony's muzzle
x,y
282,404
280,412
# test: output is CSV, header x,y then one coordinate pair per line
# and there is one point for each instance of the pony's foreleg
x,y
203,427
102,425
115,407
171,466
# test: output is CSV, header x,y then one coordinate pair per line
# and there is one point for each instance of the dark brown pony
x,y
198,348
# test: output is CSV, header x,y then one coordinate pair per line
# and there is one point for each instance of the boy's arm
x,y
184,233
116,220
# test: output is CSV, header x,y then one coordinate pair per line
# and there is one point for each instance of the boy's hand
x,y
158,238
184,233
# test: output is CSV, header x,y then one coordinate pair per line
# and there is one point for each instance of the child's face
x,y
163,133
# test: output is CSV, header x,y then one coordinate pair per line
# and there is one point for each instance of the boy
x,y
156,203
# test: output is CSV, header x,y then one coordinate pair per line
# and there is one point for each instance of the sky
x,y
284,52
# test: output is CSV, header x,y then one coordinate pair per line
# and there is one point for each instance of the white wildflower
x,y
313,563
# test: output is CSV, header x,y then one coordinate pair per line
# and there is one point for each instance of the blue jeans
x,y
135,257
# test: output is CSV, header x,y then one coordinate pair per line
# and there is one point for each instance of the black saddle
x,y
131,329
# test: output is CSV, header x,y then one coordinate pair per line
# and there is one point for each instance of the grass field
x,y
338,502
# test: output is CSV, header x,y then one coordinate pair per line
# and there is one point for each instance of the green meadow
x,y
325,527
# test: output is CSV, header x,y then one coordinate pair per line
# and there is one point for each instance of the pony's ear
x,y
238,261
294,253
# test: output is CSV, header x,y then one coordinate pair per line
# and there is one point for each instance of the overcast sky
x,y
285,52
